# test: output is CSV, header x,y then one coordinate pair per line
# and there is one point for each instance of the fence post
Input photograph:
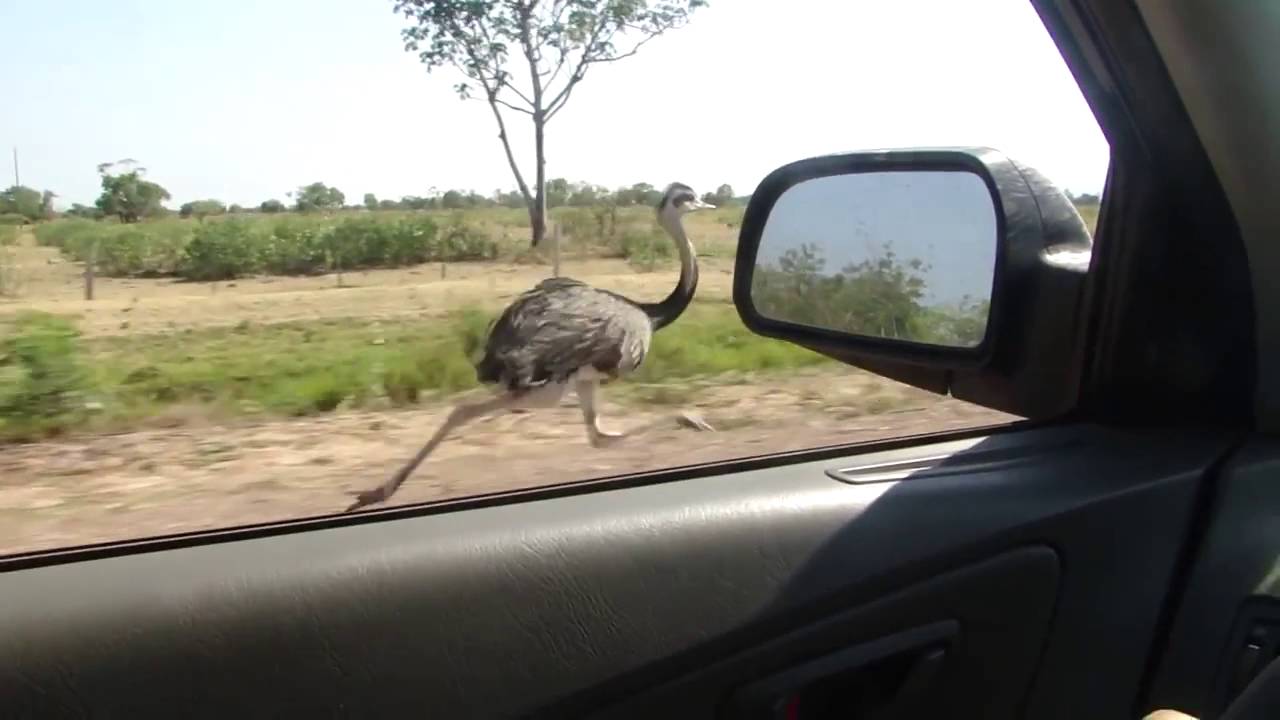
x,y
90,269
555,250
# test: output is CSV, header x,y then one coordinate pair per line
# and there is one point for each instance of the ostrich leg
x,y
539,397
459,416
587,396
589,399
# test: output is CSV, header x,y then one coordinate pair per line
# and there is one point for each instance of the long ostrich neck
x,y
665,312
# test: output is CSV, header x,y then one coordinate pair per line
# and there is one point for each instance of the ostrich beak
x,y
700,205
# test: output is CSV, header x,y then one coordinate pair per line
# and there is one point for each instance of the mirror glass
x,y
905,255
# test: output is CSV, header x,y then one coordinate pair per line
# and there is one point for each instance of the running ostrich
x,y
565,333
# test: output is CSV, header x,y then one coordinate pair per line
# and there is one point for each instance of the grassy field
x,y
265,394
401,327
303,368
154,344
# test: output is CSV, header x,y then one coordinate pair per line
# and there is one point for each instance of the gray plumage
x,y
564,334
560,327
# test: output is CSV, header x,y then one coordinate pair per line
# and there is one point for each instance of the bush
x,y
644,248
233,246
578,227
63,234
12,219
202,208
318,393
221,250
364,242
470,327
295,247
416,241
42,381
147,249
463,241
139,251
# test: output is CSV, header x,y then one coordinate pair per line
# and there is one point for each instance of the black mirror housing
x,y
1026,362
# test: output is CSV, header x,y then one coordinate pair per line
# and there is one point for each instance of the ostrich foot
x,y
364,498
694,421
603,439
379,494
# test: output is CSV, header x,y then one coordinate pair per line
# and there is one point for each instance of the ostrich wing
x,y
559,327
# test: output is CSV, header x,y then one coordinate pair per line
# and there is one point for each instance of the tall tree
x,y
551,44
202,208
721,197
126,194
21,200
318,196
46,204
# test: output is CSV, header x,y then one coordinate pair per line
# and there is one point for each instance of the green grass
x,y
308,368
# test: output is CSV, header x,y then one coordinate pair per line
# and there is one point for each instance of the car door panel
x,y
1232,601
999,610
592,599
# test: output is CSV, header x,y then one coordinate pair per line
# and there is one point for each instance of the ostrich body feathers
x,y
560,329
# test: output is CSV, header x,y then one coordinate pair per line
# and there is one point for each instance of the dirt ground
x,y
148,483
137,484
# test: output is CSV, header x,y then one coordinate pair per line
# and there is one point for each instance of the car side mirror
x,y
943,268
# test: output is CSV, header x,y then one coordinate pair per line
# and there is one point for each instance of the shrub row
x,y
233,247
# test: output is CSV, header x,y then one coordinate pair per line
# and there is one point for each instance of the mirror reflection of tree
x,y
881,296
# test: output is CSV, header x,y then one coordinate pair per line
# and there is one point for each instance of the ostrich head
x,y
677,200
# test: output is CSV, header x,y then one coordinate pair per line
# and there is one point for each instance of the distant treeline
x,y
128,196
880,296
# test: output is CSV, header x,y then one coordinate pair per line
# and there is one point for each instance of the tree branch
x,y
520,95
629,53
491,93
499,77
561,100
558,101
511,158
501,102
556,72
526,41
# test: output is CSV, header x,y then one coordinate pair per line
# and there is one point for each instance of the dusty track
x,y
147,483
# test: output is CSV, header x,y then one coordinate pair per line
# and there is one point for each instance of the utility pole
x,y
17,179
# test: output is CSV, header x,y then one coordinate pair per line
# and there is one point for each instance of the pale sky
x,y
244,100
945,219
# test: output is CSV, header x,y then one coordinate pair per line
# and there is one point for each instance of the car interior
x,y
1115,554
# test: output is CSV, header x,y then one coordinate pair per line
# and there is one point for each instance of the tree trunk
x,y
537,220
538,213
